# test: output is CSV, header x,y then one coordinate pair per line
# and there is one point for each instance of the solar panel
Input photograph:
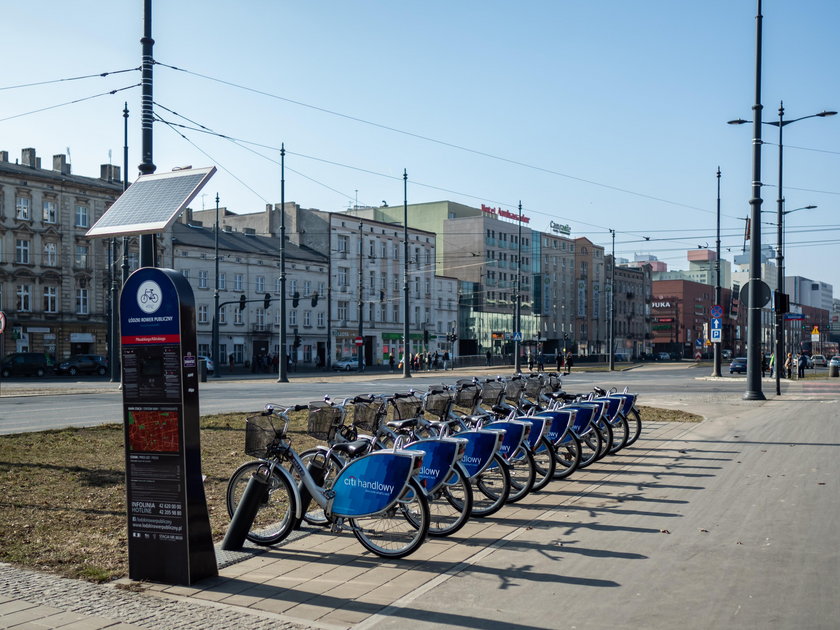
x,y
152,203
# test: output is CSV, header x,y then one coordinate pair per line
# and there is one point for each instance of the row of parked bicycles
x,y
394,469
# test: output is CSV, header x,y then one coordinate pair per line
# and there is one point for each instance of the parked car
x,y
83,364
726,354
211,366
663,356
346,364
818,360
739,364
24,364
834,362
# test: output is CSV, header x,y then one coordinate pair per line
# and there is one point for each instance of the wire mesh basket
x,y
534,385
437,403
259,435
513,388
554,383
467,395
366,414
405,407
323,420
492,392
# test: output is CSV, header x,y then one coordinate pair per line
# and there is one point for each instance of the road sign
x,y
717,323
815,330
360,341
716,335
2,322
763,294
717,311
698,343
794,316
517,336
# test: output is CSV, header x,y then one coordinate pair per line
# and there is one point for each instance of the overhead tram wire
x,y
73,102
435,140
52,81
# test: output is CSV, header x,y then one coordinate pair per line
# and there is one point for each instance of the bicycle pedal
x,y
337,526
329,494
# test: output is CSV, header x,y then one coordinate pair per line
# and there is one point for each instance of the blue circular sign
x,y
717,311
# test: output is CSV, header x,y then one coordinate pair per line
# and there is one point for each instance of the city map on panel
x,y
154,431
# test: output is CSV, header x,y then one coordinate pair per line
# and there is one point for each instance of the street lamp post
x,y
611,321
780,212
517,305
716,346
406,309
215,336
283,359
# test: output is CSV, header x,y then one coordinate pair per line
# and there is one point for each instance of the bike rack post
x,y
245,513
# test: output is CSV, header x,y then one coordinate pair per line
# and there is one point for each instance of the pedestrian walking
x,y
391,361
541,362
530,362
559,361
569,362
772,364
789,365
802,363
445,360
764,365
489,356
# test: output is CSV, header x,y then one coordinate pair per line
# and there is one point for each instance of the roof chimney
x,y
109,173
27,158
4,156
60,164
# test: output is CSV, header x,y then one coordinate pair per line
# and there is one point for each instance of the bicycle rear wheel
x,y
276,515
544,464
621,433
451,505
399,530
492,488
591,444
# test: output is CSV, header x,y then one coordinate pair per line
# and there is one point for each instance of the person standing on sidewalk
x,y
802,363
789,365
391,361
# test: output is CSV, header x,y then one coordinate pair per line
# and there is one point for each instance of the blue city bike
x,y
377,496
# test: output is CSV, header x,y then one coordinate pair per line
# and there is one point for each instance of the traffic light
x,y
781,302
295,299
241,302
266,301
297,341
425,336
314,299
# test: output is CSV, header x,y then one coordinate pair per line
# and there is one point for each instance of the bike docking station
x,y
169,536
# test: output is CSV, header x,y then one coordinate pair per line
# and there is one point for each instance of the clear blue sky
x,y
618,108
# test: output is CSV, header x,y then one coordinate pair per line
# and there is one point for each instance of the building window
x,y
237,315
50,299
260,281
321,319
50,212
293,287
278,285
307,319
50,255
238,282
81,216
292,318
222,315
81,258
22,251
82,305
260,318
222,282
342,311
342,277
395,313
23,208
202,313
343,242
24,298
185,273
202,279
307,287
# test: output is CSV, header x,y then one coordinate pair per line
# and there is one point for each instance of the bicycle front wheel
x,y
450,506
621,433
522,474
492,487
275,517
399,530
568,454
635,426
314,513
544,464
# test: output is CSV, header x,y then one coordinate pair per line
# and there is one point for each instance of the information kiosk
x,y
169,538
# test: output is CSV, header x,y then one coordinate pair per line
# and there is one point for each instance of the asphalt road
x,y
37,405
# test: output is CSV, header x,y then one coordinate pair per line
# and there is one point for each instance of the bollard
x,y
246,511
834,371
202,369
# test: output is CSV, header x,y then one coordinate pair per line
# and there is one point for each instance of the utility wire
x,y
85,76
435,140
78,100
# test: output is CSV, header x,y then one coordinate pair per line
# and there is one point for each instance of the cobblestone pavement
x,y
34,600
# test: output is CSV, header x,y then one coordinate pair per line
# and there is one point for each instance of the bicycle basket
x,y
467,395
259,435
406,407
492,392
324,419
554,383
366,414
513,389
533,386
437,403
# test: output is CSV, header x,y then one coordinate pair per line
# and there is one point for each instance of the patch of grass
x,y
62,493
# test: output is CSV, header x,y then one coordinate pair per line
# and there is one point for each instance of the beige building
x,y
53,280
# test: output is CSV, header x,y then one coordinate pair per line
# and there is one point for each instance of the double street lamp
x,y
780,212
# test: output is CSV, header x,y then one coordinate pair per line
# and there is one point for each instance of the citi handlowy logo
x,y
373,486
429,472
471,459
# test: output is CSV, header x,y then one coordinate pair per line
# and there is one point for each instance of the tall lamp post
x,y
780,212
406,309
517,306
611,322
215,336
282,376
716,346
